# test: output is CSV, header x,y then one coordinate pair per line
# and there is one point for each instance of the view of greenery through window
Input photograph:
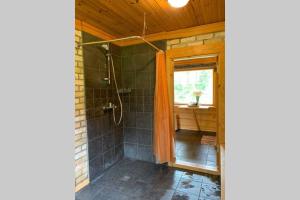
x,y
188,82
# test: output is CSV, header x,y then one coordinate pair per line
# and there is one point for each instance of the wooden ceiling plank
x,y
212,10
123,18
118,11
198,9
201,9
106,19
168,12
105,23
197,15
173,14
154,18
221,9
190,16
88,18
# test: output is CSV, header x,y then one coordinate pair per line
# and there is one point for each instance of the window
x,y
188,82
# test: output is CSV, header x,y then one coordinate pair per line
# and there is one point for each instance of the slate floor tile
x,y
138,180
211,192
189,186
184,196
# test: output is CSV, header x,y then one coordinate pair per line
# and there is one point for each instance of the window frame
x,y
197,69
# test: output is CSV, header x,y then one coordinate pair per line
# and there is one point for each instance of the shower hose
x,y
118,94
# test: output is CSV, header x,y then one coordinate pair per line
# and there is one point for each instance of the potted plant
x,y
197,94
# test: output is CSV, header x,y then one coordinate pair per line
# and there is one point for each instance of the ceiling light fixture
x,y
178,3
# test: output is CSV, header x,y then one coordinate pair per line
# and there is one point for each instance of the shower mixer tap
x,y
111,68
110,106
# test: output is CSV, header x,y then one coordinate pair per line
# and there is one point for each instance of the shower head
x,y
105,46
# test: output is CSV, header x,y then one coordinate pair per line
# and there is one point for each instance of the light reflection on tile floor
x,y
139,180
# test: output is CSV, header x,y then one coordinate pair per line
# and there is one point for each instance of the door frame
x,y
218,50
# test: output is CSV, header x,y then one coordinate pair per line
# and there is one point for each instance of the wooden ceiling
x,y
122,18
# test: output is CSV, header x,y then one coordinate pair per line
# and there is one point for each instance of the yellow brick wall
x,y
81,152
196,40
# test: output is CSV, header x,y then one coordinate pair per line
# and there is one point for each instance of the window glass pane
x,y
188,82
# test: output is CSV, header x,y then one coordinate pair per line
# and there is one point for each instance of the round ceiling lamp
x,y
178,3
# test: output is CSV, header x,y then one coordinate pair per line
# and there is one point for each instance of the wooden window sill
x,y
195,107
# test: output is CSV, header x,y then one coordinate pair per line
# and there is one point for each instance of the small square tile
x,y
144,120
167,182
108,158
189,186
148,107
161,194
192,176
145,153
130,119
212,192
144,136
130,135
95,148
130,150
212,180
96,167
184,196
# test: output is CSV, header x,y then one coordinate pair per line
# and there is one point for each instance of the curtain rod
x,y
120,39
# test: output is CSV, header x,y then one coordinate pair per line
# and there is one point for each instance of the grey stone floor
x,y
190,149
139,180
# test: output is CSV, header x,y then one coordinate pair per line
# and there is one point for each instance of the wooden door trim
x,y
218,50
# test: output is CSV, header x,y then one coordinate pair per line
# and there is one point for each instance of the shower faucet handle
x,y
110,106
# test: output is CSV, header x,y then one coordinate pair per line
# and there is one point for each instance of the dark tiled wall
x,y
135,69
138,73
105,140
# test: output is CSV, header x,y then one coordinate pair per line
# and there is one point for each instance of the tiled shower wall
x,y
138,74
135,70
105,139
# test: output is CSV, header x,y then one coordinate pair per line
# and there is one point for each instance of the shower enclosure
x,y
118,78
105,139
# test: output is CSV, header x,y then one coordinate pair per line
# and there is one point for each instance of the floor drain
x,y
125,178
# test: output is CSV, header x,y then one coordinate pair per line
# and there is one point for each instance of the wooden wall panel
x,y
185,118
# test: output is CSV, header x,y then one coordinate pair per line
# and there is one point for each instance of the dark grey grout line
x,y
175,190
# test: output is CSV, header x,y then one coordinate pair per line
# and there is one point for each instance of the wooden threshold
x,y
194,167
82,185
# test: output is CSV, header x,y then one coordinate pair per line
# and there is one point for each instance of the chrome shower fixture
x,y
108,62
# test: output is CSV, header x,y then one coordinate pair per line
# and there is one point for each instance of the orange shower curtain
x,y
163,142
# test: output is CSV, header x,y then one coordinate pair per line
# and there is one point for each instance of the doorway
x,y
194,111
196,87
